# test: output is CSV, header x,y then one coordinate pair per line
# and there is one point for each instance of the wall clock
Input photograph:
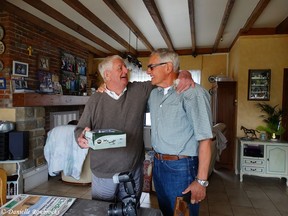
x,y
1,32
2,47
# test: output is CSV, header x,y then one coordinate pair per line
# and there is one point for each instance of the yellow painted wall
x,y
257,52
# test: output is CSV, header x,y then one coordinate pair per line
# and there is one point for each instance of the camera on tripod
x,y
128,205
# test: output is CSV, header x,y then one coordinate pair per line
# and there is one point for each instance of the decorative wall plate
x,y
1,32
1,65
2,47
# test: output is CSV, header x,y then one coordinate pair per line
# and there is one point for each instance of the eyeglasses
x,y
152,66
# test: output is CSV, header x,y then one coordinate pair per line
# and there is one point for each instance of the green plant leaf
x,y
272,117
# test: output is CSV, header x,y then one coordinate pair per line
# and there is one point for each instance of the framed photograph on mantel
x,y
20,69
259,84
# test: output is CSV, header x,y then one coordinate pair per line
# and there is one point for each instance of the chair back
x,y
3,186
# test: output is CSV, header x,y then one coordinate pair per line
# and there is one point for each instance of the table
x,y
85,207
67,206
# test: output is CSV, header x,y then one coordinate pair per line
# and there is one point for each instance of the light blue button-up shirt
x,y
180,121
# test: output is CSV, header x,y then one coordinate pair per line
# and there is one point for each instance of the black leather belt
x,y
169,157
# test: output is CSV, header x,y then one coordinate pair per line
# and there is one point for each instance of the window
x,y
196,75
139,76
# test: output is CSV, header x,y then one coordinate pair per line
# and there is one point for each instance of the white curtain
x,y
139,75
196,75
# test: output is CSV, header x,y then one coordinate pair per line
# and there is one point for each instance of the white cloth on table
x,y
62,152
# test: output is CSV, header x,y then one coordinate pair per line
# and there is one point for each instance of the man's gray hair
x,y
107,64
168,56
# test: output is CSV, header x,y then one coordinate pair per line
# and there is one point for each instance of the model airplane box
x,y
105,139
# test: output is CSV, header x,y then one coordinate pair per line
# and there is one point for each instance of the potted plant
x,y
272,118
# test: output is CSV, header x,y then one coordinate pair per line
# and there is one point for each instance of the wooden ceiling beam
x,y
199,51
262,4
85,12
224,21
154,13
49,11
259,31
282,28
115,7
11,8
192,25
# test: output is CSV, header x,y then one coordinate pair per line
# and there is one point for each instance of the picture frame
x,y
2,83
45,82
259,84
20,69
19,84
43,63
81,66
70,83
68,62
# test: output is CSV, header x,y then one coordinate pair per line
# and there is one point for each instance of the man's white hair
x,y
107,64
166,55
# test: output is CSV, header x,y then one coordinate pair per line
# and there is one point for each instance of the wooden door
x,y
225,112
285,104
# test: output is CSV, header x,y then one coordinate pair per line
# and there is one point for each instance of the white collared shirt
x,y
114,95
166,90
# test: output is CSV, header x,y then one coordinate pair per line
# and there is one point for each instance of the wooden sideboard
x,y
35,99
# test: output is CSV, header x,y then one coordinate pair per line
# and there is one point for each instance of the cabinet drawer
x,y
253,169
255,162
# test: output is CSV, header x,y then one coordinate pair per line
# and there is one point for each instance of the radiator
x,y
62,118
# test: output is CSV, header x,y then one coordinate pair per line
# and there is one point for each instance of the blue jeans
x,y
171,178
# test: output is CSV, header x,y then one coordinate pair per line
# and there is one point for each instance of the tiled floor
x,y
225,195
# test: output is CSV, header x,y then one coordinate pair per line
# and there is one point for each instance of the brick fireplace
x,y
34,116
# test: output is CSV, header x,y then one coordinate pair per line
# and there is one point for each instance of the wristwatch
x,y
204,183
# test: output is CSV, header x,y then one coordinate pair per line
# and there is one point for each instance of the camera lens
x,y
115,209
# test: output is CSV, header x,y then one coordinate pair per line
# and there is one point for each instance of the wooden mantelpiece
x,y
34,99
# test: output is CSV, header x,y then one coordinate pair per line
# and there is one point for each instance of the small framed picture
x,y
20,69
2,83
43,63
19,84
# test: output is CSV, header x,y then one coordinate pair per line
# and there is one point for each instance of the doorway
x,y
285,104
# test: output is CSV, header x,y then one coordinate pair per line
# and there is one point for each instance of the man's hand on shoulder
x,y
184,81
101,88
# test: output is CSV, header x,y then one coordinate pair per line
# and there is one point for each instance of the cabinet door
x,y
277,158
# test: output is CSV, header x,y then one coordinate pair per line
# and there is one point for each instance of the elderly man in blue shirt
x,y
181,126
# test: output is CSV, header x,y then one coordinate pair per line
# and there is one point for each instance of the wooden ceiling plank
x,y
115,7
11,8
49,11
192,25
85,12
228,9
262,4
282,28
154,13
